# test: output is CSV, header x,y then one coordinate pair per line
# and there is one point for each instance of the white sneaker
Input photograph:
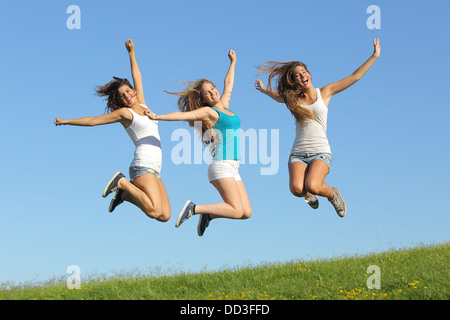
x,y
338,203
313,201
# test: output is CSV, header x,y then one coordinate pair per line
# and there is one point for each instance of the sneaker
x,y
203,223
116,200
186,213
111,186
313,201
338,203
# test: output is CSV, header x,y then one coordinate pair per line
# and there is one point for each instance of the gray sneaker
x,y
338,203
313,201
111,186
186,213
203,223
116,200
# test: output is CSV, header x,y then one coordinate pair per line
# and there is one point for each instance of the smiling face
x,y
209,93
302,77
127,95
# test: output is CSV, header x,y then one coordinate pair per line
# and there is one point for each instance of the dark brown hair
x,y
111,91
282,73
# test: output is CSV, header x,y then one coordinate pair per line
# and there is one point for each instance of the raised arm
x,y
135,72
259,85
116,116
229,80
336,87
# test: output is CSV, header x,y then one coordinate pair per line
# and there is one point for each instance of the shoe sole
x,y
108,184
345,206
314,205
112,207
177,224
199,225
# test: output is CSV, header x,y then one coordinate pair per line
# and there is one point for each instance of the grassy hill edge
x,y
415,273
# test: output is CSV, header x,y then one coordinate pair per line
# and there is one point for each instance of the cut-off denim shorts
x,y
308,158
139,171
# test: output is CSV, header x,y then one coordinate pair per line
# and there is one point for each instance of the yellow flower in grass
x,y
414,284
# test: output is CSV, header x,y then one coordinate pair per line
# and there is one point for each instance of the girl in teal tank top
x,y
228,145
201,103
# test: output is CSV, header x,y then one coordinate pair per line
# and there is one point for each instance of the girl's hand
x,y
259,85
232,55
58,122
129,45
376,48
150,114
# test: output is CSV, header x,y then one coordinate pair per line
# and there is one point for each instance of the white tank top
x,y
144,133
311,135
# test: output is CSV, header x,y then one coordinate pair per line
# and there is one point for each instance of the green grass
x,y
415,273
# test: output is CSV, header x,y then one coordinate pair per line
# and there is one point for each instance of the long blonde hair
x,y
282,73
191,99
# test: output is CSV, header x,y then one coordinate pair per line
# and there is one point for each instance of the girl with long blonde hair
x,y
310,160
201,103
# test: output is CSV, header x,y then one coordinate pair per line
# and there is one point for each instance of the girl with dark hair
x,y
218,126
311,159
126,105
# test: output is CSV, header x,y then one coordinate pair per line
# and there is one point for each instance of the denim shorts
x,y
219,169
308,158
139,171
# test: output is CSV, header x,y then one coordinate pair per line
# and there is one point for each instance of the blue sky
x,y
388,133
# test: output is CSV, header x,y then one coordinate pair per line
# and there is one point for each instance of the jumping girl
x,y
311,159
201,103
127,106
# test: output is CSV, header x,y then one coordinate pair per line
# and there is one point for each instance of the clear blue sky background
x,y
389,132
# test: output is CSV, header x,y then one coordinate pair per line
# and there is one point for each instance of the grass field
x,y
405,274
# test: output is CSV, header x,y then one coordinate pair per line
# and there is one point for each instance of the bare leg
x,y
149,194
314,181
297,173
236,205
165,200
315,184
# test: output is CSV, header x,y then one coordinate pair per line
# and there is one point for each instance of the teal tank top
x,y
228,142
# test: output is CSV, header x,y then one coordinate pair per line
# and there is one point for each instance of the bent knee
x,y
236,213
243,213
247,214
297,191
239,213
313,187
157,214
163,217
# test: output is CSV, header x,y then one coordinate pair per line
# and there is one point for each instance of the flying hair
x,y
281,74
191,99
111,92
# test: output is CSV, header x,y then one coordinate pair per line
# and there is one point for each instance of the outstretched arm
x,y
135,72
116,116
336,87
259,85
201,114
229,80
